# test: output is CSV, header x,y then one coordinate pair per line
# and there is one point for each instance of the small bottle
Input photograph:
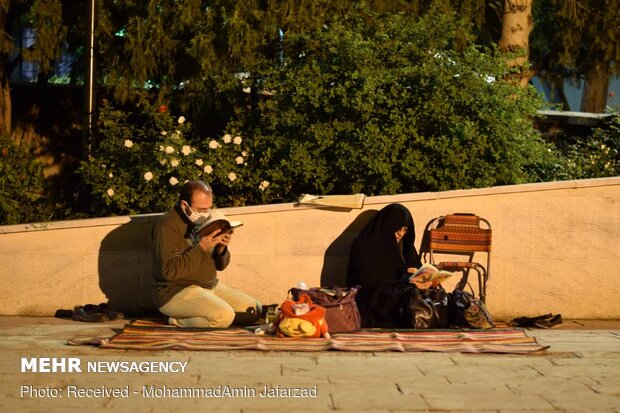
x,y
270,317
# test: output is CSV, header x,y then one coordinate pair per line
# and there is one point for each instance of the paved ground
x,y
579,373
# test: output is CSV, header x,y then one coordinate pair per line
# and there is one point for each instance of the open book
x,y
429,273
217,221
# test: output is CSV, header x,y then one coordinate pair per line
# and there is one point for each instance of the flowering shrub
x,y
141,161
596,156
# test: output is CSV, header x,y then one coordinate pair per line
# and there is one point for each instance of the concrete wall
x,y
555,249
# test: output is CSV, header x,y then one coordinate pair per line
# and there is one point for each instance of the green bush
x,y
391,104
22,195
373,104
140,161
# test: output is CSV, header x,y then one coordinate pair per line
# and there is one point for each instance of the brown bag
x,y
342,314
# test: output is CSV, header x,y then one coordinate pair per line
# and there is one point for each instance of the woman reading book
x,y
382,255
186,263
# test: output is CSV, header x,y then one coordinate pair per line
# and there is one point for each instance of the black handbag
x,y
406,306
429,308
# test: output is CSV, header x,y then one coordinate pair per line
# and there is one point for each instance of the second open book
x,y
429,273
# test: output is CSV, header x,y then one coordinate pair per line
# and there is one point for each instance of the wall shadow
x,y
125,266
336,259
425,243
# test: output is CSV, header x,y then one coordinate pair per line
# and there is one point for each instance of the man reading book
x,y
186,263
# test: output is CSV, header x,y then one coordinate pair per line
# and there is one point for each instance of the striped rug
x,y
147,335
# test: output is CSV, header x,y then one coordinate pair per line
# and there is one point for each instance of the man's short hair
x,y
188,189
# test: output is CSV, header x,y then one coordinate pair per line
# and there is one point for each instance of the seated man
x,y
185,267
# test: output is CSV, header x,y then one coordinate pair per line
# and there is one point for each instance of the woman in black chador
x,y
382,255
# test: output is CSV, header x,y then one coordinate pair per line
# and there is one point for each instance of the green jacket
x,y
178,262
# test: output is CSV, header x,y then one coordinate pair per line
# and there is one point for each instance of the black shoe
x,y
109,313
88,314
530,321
549,322
62,313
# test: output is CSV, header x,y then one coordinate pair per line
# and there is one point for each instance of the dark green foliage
x,y
21,185
343,97
391,107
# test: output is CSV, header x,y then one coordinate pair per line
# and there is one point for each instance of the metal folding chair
x,y
462,234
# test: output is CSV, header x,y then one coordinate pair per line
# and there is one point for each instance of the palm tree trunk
x,y
5,105
5,90
517,25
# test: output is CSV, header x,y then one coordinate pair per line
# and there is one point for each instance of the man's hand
x,y
214,240
224,242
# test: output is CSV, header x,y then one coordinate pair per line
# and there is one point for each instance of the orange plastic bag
x,y
302,318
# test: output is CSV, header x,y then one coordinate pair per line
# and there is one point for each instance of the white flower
x,y
239,160
186,150
110,174
232,176
227,138
199,162
102,166
213,144
161,148
162,162
263,185
148,176
164,133
169,149
110,192
208,169
244,153
173,181
181,120
128,143
174,163
237,140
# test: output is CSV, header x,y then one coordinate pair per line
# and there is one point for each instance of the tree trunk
x,y
5,102
594,98
5,89
554,89
516,29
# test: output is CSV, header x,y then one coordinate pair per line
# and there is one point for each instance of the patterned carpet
x,y
147,335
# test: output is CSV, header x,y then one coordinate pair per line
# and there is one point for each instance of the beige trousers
x,y
195,306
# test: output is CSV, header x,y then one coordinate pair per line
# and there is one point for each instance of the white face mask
x,y
197,217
